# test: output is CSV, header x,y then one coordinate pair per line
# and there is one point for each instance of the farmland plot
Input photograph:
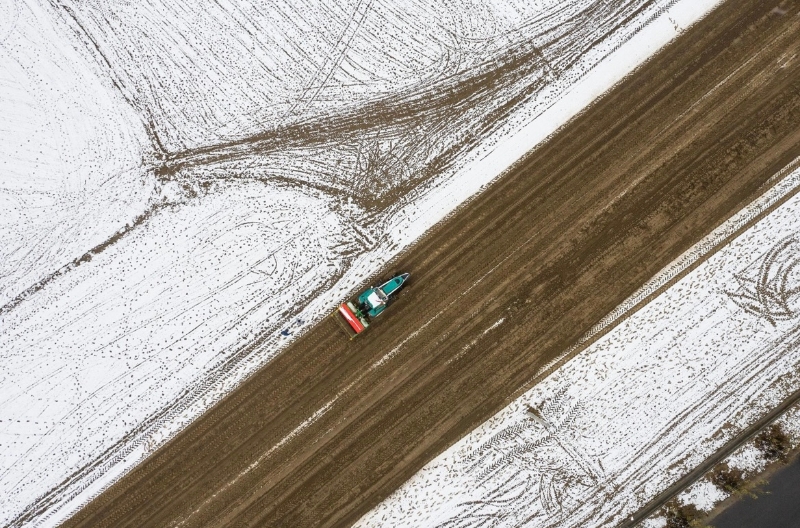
x,y
204,73
72,152
247,219
642,405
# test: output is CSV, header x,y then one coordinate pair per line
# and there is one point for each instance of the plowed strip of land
x,y
332,426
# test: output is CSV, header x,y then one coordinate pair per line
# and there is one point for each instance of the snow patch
x,y
702,494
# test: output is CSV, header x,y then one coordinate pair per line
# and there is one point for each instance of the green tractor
x,y
370,304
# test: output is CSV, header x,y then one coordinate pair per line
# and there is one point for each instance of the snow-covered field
x,y
205,72
71,151
131,302
643,404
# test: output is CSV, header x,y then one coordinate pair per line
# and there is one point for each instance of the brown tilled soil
x,y
550,248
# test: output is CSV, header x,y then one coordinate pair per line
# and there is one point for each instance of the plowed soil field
x,y
332,426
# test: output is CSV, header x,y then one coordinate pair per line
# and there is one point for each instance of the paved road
x,y
330,427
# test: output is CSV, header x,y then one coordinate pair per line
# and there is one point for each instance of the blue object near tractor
x,y
371,303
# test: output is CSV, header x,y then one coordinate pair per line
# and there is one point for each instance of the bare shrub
x,y
727,479
732,480
773,443
682,515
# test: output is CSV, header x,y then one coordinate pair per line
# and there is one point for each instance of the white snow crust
x,y
703,494
747,458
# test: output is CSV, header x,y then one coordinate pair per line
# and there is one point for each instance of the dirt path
x,y
331,426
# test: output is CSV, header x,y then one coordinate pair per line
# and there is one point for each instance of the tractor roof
x,y
374,299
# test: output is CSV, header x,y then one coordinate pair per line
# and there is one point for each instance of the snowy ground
x,y
71,151
635,410
151,291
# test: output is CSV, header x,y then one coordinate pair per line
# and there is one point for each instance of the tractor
x,y
370,304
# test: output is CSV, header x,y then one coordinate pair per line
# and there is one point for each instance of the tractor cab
x,y
373,301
